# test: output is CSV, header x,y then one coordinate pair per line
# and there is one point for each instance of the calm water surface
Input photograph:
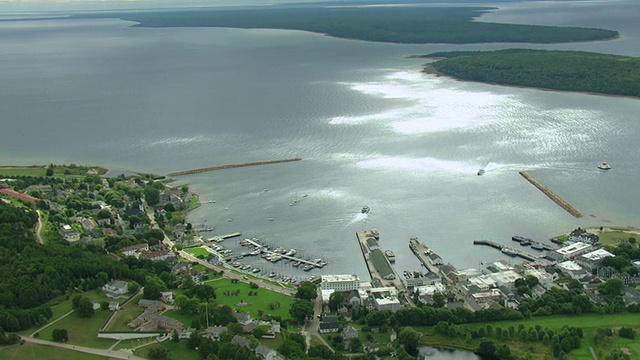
x,y
371,128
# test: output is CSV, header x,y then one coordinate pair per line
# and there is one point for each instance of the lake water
x,y
370,127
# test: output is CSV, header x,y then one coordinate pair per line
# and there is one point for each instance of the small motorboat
x,y
481,172
604,166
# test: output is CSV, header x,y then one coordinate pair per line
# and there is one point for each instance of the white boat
x,y
604,166
390,255
481,172
365,210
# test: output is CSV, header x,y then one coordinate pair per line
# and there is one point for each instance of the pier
x,y
425,255
506,250
230,166
263,249
551,195
224,237
379,267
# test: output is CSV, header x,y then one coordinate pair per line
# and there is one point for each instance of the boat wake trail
x,y
358,218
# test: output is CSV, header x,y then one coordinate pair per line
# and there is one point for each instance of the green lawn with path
x,y
125,315
176,350
82,331
34,351
261,301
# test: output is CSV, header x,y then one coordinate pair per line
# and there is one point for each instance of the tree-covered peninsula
x,y
556,70
419,25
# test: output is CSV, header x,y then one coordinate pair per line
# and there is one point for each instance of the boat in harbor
x,y
272,275
296,264
291,252
390,255
537,246
365,210
308,268
481,172
255,271
604,166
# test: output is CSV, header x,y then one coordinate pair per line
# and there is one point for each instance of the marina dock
x,y
551,195
230,166
426,256
379,267
224,237
263,249
506,250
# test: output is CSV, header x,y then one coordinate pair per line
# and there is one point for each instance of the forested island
x,y
556,70
418,25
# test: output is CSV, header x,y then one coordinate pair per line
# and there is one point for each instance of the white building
x,y
340,282
385,298
506,278
593,259
116,288
545,279
572,269
570,251
430,289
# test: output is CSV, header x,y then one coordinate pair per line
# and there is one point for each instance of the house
x,y
167,297
116,289
349,333
241,341
214,332
185,334
69,233
243,318
16,195
113,306
134,249
151,320
266,353
328,323
156,255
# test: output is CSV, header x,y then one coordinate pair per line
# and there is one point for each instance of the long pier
x,y
230,166
224,237
551,195
422,252
506,250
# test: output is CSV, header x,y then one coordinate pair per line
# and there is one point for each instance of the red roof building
x,y
16,195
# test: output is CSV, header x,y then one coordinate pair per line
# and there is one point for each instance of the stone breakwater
x,y
551,195
229,166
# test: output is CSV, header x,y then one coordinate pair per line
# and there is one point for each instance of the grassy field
x,y
82,331
259,302
176,350
33,351
10,171
124,316
41,170
197,251
185,319
132,343
616,237
589,324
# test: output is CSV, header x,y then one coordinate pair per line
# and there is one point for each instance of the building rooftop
x,y
570,266
573,248
336,278
598,255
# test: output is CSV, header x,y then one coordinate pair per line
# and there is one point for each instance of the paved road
x,y
39,227
119,354
314,325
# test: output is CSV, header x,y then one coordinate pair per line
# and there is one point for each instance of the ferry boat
x,y
390,255
365,210
604,166
481,172
537,246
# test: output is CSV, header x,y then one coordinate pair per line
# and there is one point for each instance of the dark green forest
x,y
557,70
417,25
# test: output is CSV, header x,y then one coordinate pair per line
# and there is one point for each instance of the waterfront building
x,y
570,251
593,260
385,298
506,278
345,282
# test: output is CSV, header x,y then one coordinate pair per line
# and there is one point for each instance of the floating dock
x,y
263,249
506,250
230,166
551,195
224,237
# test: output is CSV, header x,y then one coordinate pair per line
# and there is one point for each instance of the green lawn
x,y
589,324
10,171
125,315
196,251
262,301
33,351
82,331
616,237
176,350
132,343
185,319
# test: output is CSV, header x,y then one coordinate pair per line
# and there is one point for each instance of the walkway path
x,y
39,227
593,353
119,354
51,323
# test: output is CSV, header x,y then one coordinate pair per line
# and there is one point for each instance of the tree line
x,y
557,70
